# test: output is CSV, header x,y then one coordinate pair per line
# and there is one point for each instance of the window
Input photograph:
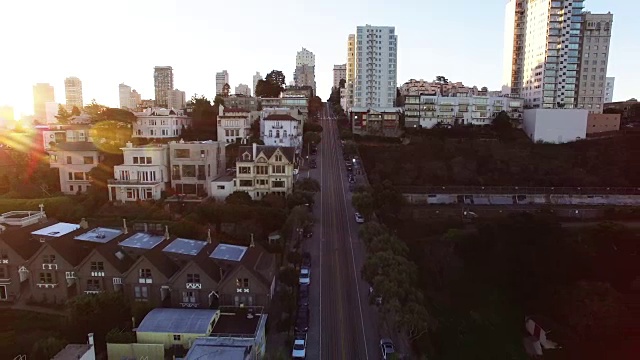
x,y
141,292
46,278
246,183
201,173
78,176
97,266
277,169
202,153
144,276
182,153
175,172
242,283
189,297
88,159
70,175
193,278
136,160
262,170
261,182
69,160
278,157
277,184
188,170
48,259
93,284
3,272
220,187
177,337
244,169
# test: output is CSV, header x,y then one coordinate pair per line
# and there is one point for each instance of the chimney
x,y
90,336
129,144
124,226
146,227
166,232
252,243
84,224
255,148
209,236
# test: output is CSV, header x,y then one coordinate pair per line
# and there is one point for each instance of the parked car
x,y
359,218
305,275
307,232
306,259
302,319
352,179
303,295
313,165
299,347
387,348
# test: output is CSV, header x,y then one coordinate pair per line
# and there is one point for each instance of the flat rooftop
x,y
57,230
99,235
143,241
236,323
185,246
228,252
220,348
72,352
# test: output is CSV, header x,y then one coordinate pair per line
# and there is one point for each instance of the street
x,y
343,324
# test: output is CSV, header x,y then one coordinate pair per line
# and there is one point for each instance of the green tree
x,y
502,122
363,202
226,90
98,314
307,185
294,258
63,115
268,89
274,201
315,107
75,111
342,83
94,110
299,198
311,137
239,198
276,77
46,348
309,126
118,115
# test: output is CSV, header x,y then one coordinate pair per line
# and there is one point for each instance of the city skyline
x,y
468,60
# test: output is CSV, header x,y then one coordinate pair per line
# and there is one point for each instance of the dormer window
x,y
246,156
278,157
48,259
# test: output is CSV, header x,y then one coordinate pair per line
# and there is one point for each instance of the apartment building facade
x,y
294,102
608,90
144,175
243,89
74,160
177,99
261,170
234,125
73,93
351,71
194,164
427,111
221,79
163,84
596,38
42,94
375,121
159,123
53,135
339,73
419,87
249,103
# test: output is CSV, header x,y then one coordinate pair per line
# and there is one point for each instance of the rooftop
x,y
280,117
229,252
224,178
99,235
238,323
76,146
143,241
235,110
185,246
178,321
220,348
73,352
57,230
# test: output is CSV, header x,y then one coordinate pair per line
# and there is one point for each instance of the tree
x,y
226,90
239,198
502,122
315,107
276,77
289,277
275,200
311,137
75,111
94,110
298,198
363,202
63,115
268,89
119,115
47,348
218,100
399,99
307,185
342,83
98,314
309,126
294,258
204,119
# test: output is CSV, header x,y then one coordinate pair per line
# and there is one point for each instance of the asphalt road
x,y
343,324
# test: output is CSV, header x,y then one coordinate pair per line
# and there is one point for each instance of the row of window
x,y
86,160
78,176
276,184
161,132
263,169
189,171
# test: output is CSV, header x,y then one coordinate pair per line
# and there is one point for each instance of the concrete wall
x,y
135,351
597,123
555,125
166,339
517,199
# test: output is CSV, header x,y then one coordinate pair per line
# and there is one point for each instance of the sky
x,y
105,43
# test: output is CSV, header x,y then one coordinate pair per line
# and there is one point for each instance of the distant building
x,y
608,89
177,99
420,87
234,125
262,170
194,164
243,89
158,123
163,84
74,160
78,351
257,77
58,134
51,111
124,92
279,127
375,121
73,93
249,103
304,74
221,79
298,91
42,93
6,116
555,125
376,75
599,123
351,71
630,109
339,73
144,175
298,103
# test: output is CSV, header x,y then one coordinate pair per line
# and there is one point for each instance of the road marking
x,y
353,258
323,238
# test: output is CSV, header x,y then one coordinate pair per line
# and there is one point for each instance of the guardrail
x,y
520,190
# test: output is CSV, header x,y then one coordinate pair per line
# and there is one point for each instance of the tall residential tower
x,y
305,73
73,93
221,79
351,70
163,83
42,94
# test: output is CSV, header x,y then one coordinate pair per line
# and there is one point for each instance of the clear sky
x,y
105,43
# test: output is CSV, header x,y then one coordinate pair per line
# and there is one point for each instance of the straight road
x,y
343,324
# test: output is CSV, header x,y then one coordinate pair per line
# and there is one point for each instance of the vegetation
x,y
315,107
204,118
272,86
308,185
311,137
314,127
21,330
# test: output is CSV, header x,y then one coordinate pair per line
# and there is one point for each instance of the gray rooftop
x,y
73,352
99,235
57,230
185,246
178,321
143,241
229,252
219,348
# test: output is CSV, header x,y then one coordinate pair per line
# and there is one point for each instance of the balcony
x,y
93,291
131,182
277,127
193,285
190,305
46,286
97,273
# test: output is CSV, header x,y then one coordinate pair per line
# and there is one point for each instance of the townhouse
x,y
280,127
375,121
144,175
194,164
234,125
159,123
262,169
74,160
53,135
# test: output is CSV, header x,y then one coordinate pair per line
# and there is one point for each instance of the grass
x,y
19,330
53,203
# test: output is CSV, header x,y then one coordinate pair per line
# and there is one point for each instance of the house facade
x,y
74,160
279,128
375,121
234,125
53,135
158,123
147,279
194,164
143,175
196,284
262,169
293,102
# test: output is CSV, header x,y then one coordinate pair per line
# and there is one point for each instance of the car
x,y
302,319
387,348
313,166
352,179
307,232
305,275
303,295
349,168
359,218
306,259
299,347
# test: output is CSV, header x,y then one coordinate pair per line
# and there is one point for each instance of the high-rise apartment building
x,y
42,94
548,57
596,34
339,73
257,77
177,99
243,89
351,70
305,57
608,89
221,79
163,83
136,99
304,75
124,92
73,93
375,66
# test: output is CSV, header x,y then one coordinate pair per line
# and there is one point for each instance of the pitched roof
x,y
71,250
259,262
288,151
20,240
205,263
161,262
109,251
280,117
76,146
178,321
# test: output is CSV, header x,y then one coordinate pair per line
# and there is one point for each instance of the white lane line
x,y
321,241
353,259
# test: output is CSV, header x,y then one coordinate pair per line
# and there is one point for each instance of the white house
x,y
555,125
56,134
262,169
223,186
159,123
233,124
74,160
143,175
278,127
194,164
293,102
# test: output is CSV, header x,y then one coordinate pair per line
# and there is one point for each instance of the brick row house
x,y
51,262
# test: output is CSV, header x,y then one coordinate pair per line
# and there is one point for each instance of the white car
x,y
359,218
299,347
305,275
387,348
